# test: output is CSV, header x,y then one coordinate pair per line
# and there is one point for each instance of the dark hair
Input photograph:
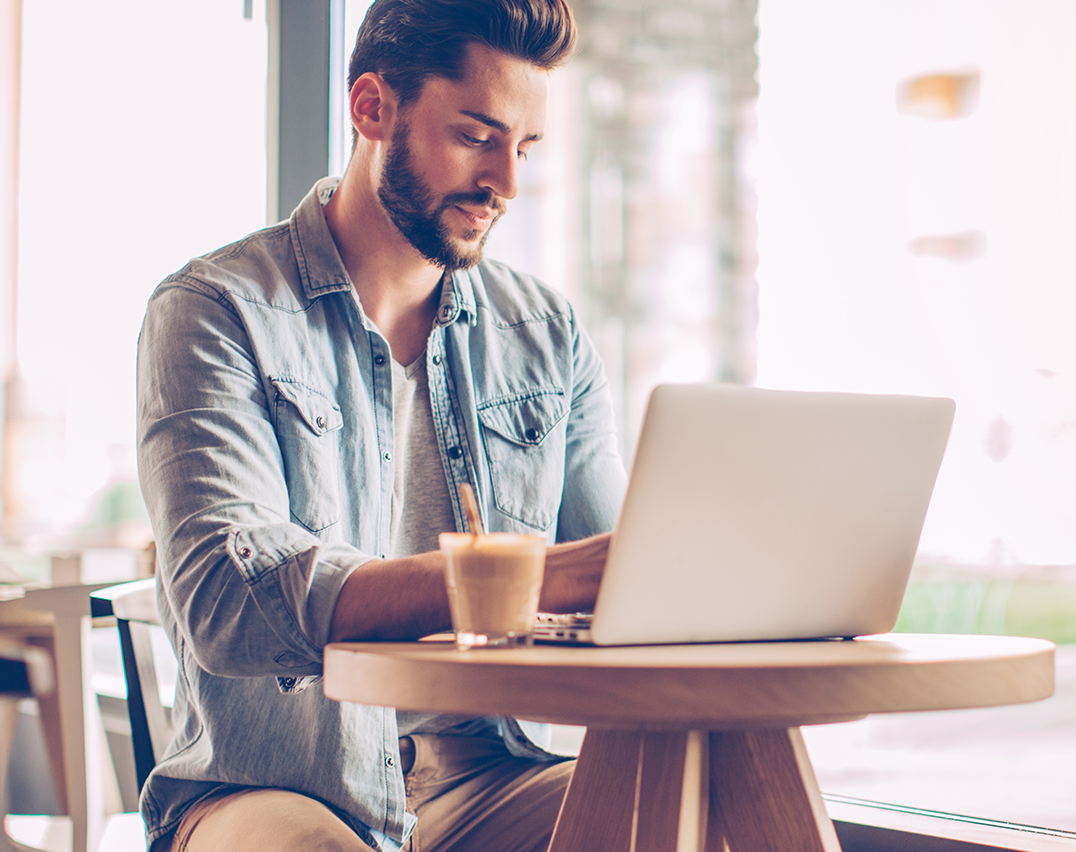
x,y
408,41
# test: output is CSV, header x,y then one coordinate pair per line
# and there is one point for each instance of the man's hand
x,y
573,571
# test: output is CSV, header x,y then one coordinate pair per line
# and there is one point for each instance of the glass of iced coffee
x,y
493,582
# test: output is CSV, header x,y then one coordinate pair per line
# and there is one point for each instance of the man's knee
x,y
259,819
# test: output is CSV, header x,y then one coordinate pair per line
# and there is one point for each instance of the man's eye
x,y
471,140
522,155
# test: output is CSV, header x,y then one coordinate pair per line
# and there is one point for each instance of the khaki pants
x,y
469,795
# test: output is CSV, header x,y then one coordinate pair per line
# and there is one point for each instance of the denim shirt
x,y
265,438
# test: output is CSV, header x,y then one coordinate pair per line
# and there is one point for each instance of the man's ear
x,y
373,107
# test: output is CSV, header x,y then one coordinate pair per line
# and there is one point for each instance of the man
x,y
310,398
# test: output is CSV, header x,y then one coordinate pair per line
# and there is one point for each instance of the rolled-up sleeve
x,y
253,592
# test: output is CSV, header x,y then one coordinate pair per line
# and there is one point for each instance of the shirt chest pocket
x,y
524,438
308,428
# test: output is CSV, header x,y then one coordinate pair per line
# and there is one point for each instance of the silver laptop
x,y
757,514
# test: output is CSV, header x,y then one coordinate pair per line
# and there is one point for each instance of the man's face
x,y
422,217
452,162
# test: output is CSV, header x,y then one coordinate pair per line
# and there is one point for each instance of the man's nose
x,y
501,175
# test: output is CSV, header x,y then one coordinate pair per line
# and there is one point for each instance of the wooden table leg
x,y
637,792
689,791
661,781
764,794
599,806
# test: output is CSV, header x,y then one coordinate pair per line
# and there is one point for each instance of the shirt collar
x,y
322,271
320,267
457,298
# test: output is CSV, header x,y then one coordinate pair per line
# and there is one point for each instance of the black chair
x,y
134,606
25,671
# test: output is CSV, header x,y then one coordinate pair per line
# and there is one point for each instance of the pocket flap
x,y
525,419
319,412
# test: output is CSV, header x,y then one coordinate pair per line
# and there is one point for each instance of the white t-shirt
x,y
421,511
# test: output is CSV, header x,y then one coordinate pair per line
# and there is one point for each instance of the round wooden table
x,y
691,747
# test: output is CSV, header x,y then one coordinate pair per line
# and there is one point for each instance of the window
x,y
917,187
142,145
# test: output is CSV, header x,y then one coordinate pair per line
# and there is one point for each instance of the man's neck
x,y
398,288
406,326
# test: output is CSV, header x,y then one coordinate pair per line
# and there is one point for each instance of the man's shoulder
x,y
512,297
260,267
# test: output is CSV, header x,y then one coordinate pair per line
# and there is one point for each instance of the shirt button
x,y
531,434
388,458
245,552
321,422
436,360
454,452
379,360
390,761
446,312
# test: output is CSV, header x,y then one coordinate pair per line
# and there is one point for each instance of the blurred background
x,y
830,194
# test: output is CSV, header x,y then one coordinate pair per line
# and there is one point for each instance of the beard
x,y
419,215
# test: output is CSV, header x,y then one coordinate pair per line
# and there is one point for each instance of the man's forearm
x,y
393,599
406,598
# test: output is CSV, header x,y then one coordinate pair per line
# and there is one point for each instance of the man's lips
x,y
479,219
